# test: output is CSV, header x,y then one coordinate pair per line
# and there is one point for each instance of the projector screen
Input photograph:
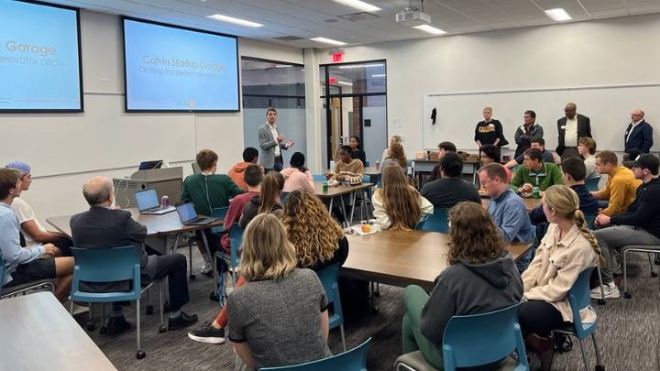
x,y
170,68
39,58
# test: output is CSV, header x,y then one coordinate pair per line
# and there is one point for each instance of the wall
x,y
605,52
67,149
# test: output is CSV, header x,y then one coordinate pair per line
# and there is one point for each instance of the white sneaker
x,y
610,290
206,268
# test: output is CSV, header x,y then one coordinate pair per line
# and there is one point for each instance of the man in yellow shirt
x,y
621,184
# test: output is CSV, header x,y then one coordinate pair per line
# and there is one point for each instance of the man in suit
x,y
272,143
639,135
104,226
570,129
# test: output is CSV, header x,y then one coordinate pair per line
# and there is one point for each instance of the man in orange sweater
x,y
237,172
621,184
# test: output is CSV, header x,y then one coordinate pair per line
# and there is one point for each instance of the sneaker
x,y
117,325
610,289
183,320
206,269
208,334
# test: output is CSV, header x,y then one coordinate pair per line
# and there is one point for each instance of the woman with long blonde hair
x,y
266,330
398,205
318,239
567,249
481,277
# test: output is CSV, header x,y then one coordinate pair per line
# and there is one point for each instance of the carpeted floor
x,y
628,334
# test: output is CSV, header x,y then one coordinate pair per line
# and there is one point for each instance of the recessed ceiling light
x,y
234,20
344,83
378,75
283,66
558,14
349,66
325,40
430,29
359,5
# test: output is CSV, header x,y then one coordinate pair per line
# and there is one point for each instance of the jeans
x,y
412,337
613,239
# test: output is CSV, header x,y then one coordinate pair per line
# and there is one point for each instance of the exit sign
x,y
337,57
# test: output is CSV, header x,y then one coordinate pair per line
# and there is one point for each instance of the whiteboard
x,y
103,137
608,107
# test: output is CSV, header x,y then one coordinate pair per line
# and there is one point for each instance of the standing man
x,y
570,128
272,143
639,135
529,131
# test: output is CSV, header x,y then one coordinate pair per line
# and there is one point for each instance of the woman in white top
x,y
398,205
587,148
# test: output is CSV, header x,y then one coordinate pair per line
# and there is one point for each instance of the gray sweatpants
x,y
613,239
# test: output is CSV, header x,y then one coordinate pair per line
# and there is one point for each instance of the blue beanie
x,y
20,166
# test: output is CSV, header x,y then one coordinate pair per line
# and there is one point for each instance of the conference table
x,y
37,333
402,258
340,191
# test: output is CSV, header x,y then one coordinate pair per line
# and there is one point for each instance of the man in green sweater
x,y
535,173
208,191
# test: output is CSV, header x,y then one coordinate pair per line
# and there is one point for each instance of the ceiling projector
x,y
412,17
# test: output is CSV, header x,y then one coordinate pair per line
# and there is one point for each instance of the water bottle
x,y
536,192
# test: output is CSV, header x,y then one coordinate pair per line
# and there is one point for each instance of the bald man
x,y
639,135
103,226
570,129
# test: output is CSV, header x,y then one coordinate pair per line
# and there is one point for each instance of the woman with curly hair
x,y
396,155
318,239
481,277
398,205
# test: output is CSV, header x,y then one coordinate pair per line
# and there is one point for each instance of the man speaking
x,y
272,143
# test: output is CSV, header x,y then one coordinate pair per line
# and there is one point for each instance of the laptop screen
x,y
147,199
186,212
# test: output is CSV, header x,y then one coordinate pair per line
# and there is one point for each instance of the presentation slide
x,y
177,69
39,58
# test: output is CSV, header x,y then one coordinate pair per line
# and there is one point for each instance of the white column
x,y
313,110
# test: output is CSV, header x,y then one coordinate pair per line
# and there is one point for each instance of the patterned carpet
x,y
628,333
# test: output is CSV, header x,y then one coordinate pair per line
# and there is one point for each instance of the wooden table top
x,y
338,190
157,225
402,258
39,334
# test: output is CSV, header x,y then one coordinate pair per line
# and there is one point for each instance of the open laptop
x,y
148,165
189,216
147,203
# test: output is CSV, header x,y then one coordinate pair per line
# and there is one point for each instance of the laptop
x,y
148,165
147,203
189,216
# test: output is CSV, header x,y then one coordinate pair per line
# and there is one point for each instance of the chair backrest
x,y
422,221
283,197
319,177
108,264
592,183
195,167
329,276
219,212
351,360
579,297
235,242
480,339
438,222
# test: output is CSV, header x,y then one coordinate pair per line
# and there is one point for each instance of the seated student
x,y
398,205
254,175
538,143
33,231
34,262
264,327
266,202
237,172
443,147
393,139
318,240
395,154
358,153
297,176
574,172
535,173
489,155
481,278
104,226
587,148
450,189
567,249
208,191
639,225
347,169
506,208
621,184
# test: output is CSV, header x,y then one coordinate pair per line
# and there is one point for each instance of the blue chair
x,y
579,298
422,221
233,260
283,197
592,182
219,213
438,222
328,277
11,291
112,264
319,177
352,360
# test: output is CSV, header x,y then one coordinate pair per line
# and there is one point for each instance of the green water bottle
x,y
325,186
536,192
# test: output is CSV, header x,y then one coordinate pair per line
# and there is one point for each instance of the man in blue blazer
x,y
639,135
272,143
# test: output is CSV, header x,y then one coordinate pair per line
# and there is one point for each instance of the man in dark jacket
x,y
570,129
104,226
639,135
